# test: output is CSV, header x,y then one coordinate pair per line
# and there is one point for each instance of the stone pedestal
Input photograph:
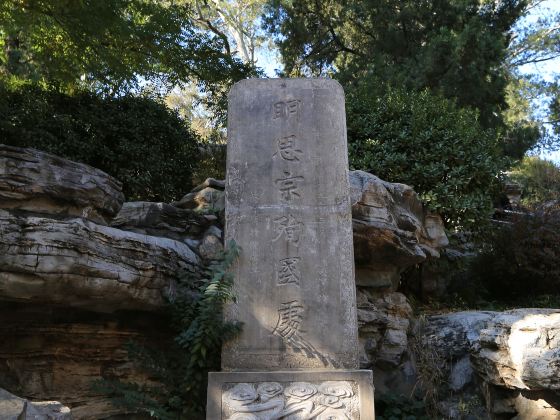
x,y
288,208
311,394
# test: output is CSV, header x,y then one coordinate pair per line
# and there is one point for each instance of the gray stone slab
x,y
297,395
288,207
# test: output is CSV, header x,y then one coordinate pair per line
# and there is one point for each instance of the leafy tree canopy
x,y
426,141
535,39
112,46
455,48
539,180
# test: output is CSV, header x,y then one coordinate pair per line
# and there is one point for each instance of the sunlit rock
x,y
39,182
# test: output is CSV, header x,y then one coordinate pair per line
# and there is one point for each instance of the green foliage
x,y
212,162
428,142
555,112
391,406
536,41
539,180
133,138
521,261
454,48
111,46
180,373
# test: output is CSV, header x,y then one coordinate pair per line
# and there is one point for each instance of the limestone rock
x,y
49,352
383,324
43,183
160,219
461,374
455,333
385,320
217,184
15,408
211,245
521,349
78,263
208,196
392,231
515,353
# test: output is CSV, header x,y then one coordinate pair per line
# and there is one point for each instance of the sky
x,y
547,69
269,61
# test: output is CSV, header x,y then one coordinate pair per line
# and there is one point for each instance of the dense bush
x,y
539,180
399,407
212,163
136,139
522,260
428,142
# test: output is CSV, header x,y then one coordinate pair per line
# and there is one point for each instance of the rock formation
x,y
78,263
513,357
15,408
73,290
80,277
40,182
392,230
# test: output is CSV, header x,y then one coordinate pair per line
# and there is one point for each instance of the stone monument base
x,y
297,395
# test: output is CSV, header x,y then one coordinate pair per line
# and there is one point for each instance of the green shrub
x,y
521,261
539,180
425,141
391,406
135,139
212,162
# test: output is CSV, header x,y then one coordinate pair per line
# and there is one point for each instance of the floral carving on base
x,y
330,400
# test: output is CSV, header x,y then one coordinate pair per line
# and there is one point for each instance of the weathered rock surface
x,y
211,245
43,183
208,196
521,349
383,324
78,263
15,408
514,354
48,352
392,231
161,219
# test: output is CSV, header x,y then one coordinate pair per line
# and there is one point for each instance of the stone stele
x,y
288,208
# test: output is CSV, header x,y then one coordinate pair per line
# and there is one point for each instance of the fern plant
x,y
180,374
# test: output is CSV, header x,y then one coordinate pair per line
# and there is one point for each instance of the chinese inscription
x,y
289,186
288,226
287,148
285,109
288,271
290,315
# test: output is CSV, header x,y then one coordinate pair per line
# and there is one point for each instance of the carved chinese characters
x,y
285,109
290,315
287,148
289,185
287,207
288,272
288,226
